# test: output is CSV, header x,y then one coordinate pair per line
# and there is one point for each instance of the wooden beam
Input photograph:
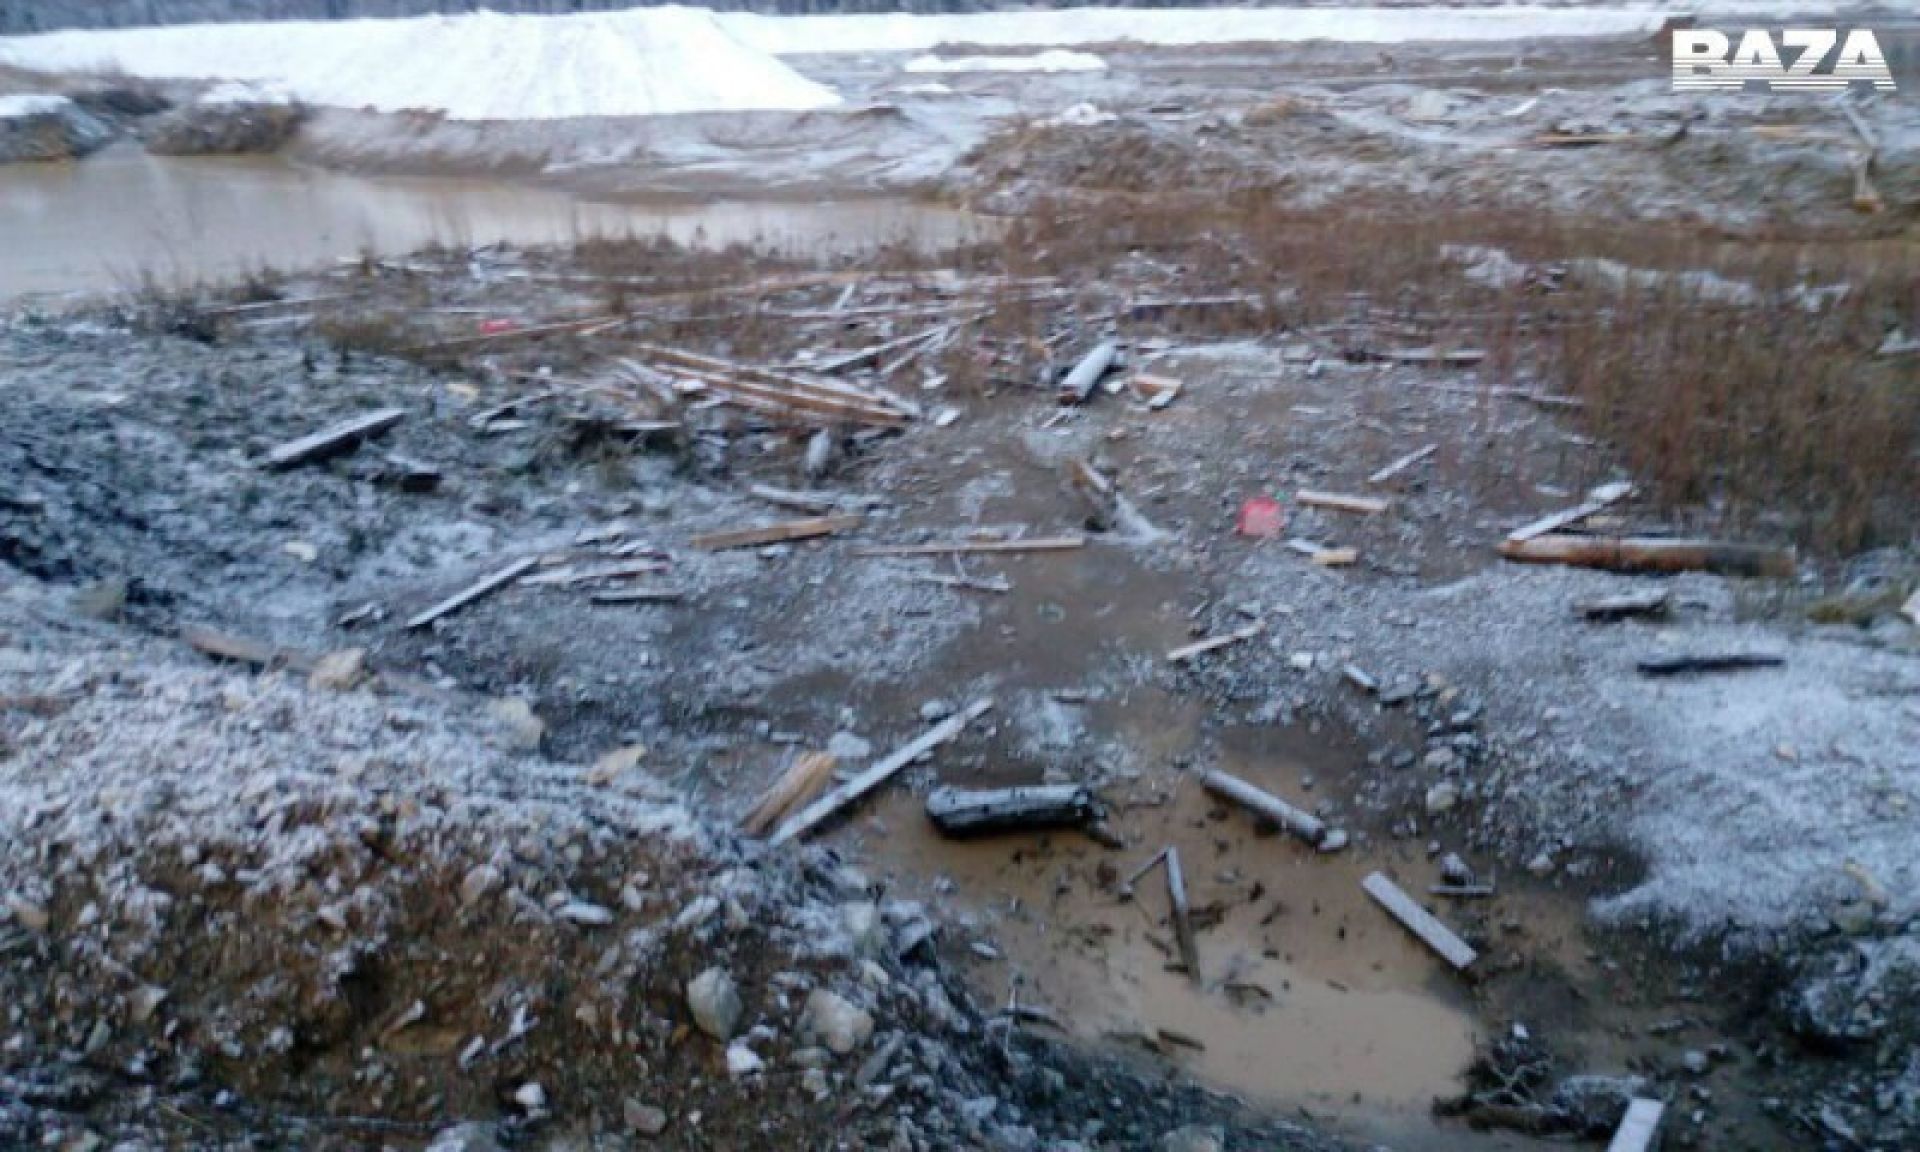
x,y
1597,500
1637,1127
1341,502
799,784
472,592
1419,921
970,547
820,810
1607,608
1182,916
1402,464
1187,652
1707,662
777,533
1301,823
1652,554
332,440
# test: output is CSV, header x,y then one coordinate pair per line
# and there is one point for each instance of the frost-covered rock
x,y
715,1003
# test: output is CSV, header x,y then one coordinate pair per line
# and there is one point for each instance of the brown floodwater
x,y
117,219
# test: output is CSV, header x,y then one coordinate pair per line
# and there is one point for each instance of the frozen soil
x,y
292,867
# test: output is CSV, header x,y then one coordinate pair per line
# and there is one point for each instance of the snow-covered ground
x,y
1052,60
655,61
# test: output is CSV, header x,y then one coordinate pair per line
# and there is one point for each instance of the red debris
x,y
1262,517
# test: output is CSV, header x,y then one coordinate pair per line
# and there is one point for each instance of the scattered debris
x,y
473,592
1638,1127
777,533
1341,502
970,547
1402,464
974,812
333,440
820,810
1598,500
1653,554
1621,607
1419,921
1706,662
1262,518
1188,651
1156,391
242,650
1275,810
803,780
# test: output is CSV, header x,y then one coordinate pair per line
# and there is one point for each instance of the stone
x,y
935,710
339,671
743,1061
643,1118
1194,1138
29,915
523,729
1541,865
1442,797
715,1003
474,1137
839,1023
848,748
101,600
1695,1061
532,1098
1454,870
1335,840
144,1002
862,918
585,914
479,880
1853,917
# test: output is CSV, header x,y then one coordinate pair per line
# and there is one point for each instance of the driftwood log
x,y
980,812
1303,824
1652,554
1078,384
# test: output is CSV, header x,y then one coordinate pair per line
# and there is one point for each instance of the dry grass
x,y
1772,415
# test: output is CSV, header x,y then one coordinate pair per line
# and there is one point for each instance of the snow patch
x,y
1052,60
484,66
31,104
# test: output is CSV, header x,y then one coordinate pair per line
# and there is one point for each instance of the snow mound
x,y
484,66
30,104
1053,60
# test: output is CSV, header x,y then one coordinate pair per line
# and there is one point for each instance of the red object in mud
x,y
1262,517
489,327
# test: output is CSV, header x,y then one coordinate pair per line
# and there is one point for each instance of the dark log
x,y
979,812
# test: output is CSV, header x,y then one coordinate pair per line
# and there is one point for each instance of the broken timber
x,y
243,650
1637,1127
1341,502
977,812
1419,921
1620,607
1597,500
968,547
1182,916
1652,554
820,810
1402,464
778,393
1187,652
799,784
333,440
1079,383
474,592
1708,662
1301,823
777,533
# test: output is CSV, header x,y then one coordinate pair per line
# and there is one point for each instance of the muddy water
x,y
110,221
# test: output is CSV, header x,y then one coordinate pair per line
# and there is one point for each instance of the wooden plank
x,y
638,596
333,440
1188,651
820,810
1597,500
1419,921
472,592
970,547
1182,916
1637,1127
777,533
821,397
1078,384
803,780
569,575
1342,502
1402,464
1336,557
243,649
586,327
1606,608
1298,821
1652,554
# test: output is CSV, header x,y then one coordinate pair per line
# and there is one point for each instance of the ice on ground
x,y
243,92
30,104
484,66
1052,60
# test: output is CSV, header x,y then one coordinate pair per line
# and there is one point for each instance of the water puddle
x,y
114,220
1310,996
